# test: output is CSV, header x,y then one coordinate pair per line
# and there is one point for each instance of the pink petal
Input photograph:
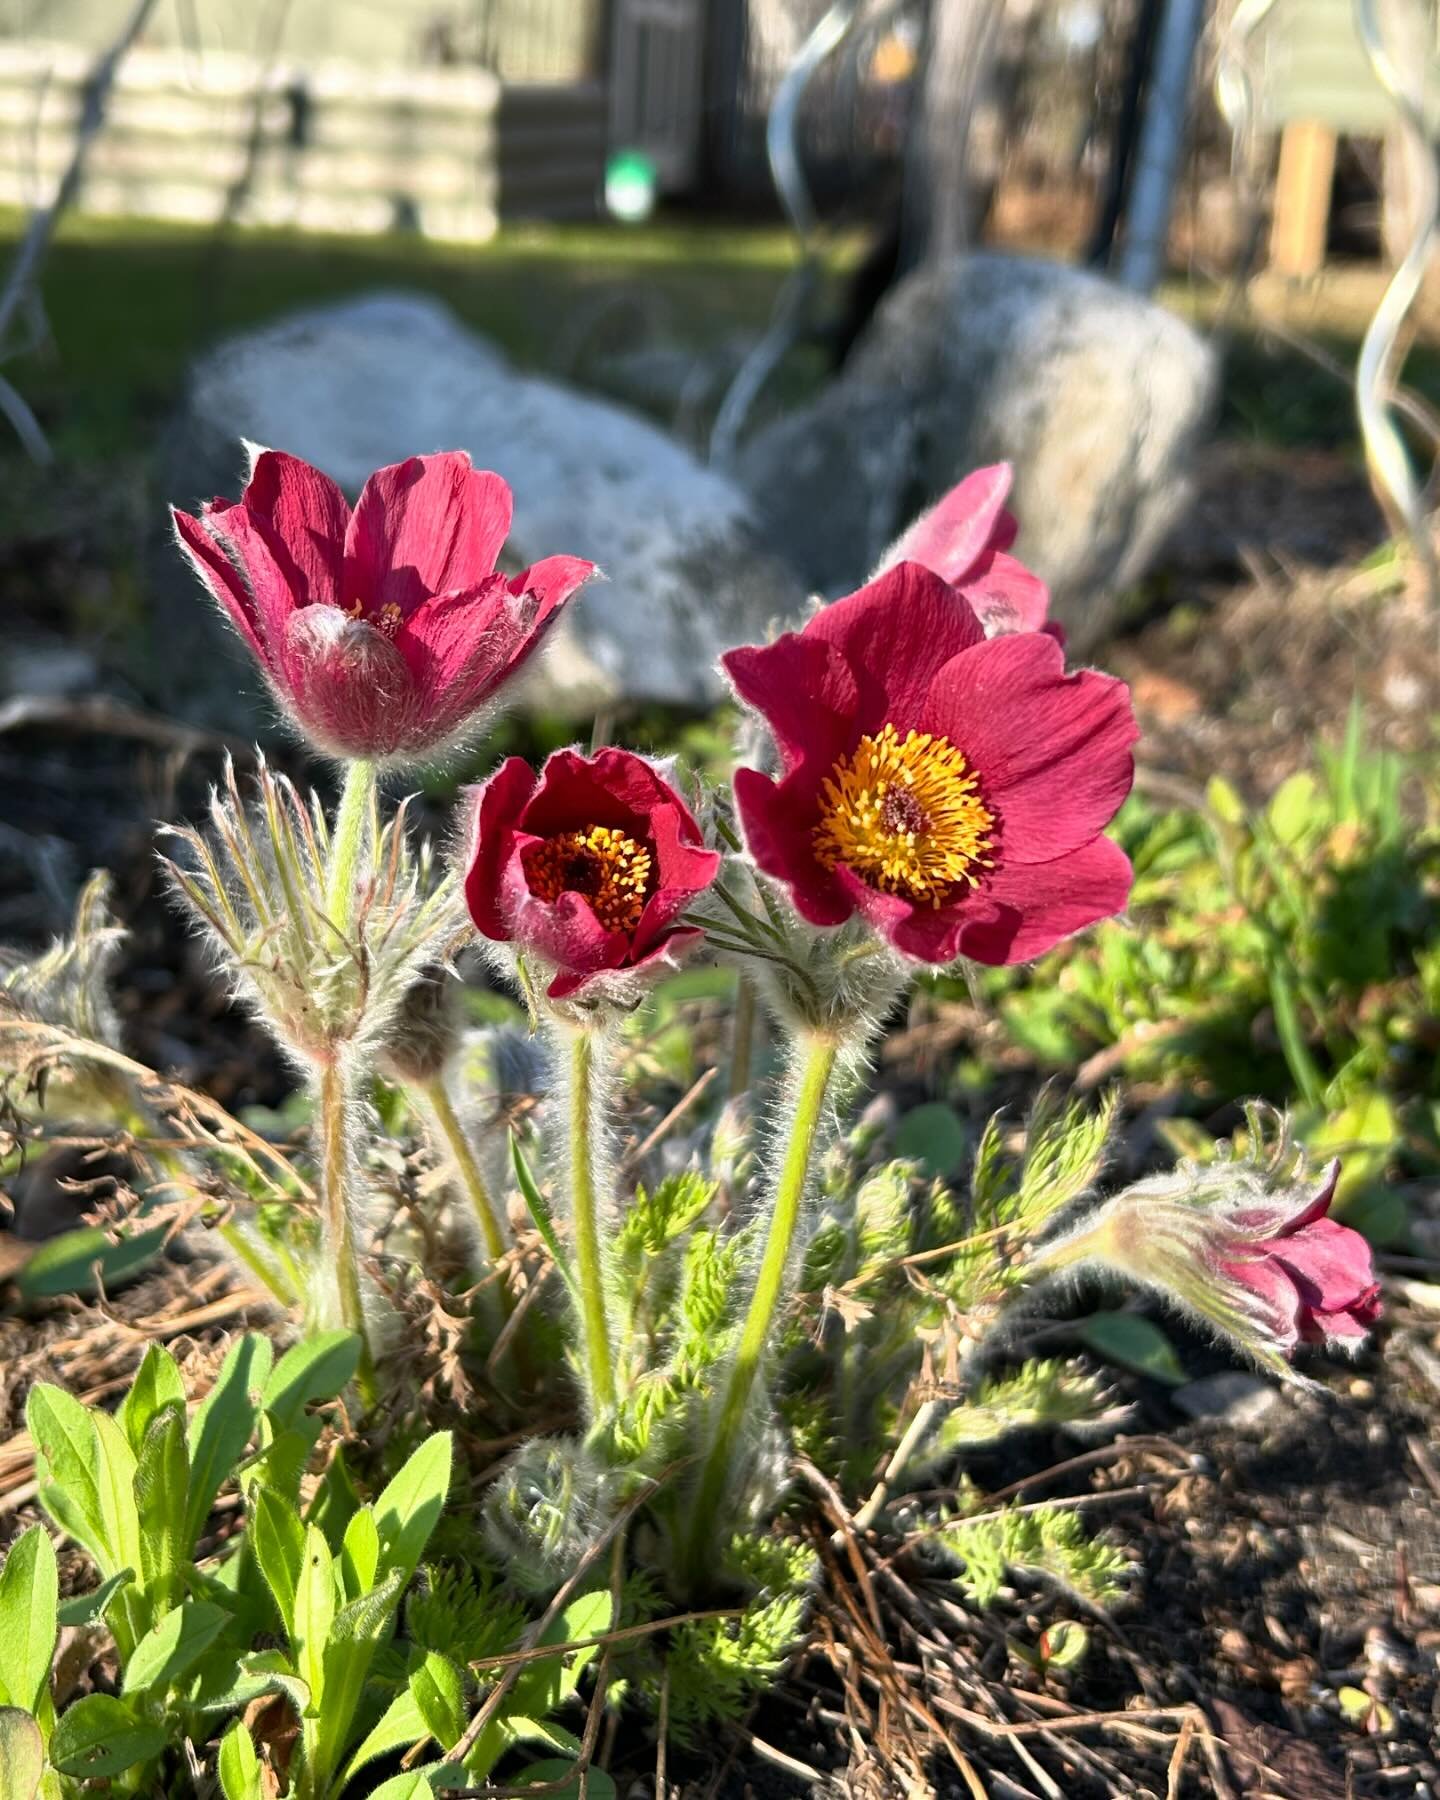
x,y
779,824
804,688
450,635
683,870
308,514
351,689
264,564
953,536
1320,1203
426,526
1273,1287
1052,751
1032,907
565,932
897,634
495,810
1008,597
551,582
669,949
220,577
1329,1263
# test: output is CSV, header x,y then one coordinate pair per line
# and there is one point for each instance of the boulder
x,y
1097,396
370,381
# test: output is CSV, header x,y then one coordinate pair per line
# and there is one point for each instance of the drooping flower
x,y
1314,1275
585,869
1249,1251
382,631
952,789
965,539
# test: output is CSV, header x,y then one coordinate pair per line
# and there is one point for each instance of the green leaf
x,y
932,1135
223,1426
22,1754
419,1784
115,1480
66,1264
317,1368
29,1593
598,1785
1294,808
99,1735
360,1555
1063,1645
438,1689
547,1684
162,1485
539,1208
157,1384
239,1766
84,1609
399,1726
356,1634
277,1538
1135,1343
314,1612
335,1502
407,1511
173,1646
67,1467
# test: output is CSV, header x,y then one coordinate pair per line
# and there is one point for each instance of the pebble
x,y
1234,1395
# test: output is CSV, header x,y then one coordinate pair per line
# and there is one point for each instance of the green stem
x,y
337,1180
742,1037
585,1224
816,1069
347,839
467,1166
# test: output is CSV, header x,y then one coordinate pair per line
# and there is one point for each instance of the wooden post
x,y
1302,199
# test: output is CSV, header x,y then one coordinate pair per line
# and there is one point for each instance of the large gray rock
x,y
1097,396
370,381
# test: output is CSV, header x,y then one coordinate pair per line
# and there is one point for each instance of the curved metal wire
x,y
782,149
1380,356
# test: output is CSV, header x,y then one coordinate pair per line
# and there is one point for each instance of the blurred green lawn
x,y
129,302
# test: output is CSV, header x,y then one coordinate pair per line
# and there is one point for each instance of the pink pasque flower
x,y
965,539
1314,1277
382,631
586,868
951,789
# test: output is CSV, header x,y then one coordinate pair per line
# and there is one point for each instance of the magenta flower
x,y
965,539
1313,1275
384,631
586,869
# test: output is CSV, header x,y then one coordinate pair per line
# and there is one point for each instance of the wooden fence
x,y
447,152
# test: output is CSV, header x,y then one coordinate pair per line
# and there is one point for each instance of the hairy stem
x,y
742,1037
347,840
597,1358
338,1176
817,1066
466,1164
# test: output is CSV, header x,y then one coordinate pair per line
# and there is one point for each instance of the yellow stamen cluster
x,y
905,815
388,621
611,870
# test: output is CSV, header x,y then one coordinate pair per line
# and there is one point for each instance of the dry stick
x,y
25,270
673,1117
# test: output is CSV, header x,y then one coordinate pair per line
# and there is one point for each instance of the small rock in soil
x,y
1234,1395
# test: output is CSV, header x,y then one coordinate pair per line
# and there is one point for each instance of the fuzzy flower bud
x,y
548,1507
1258,1259
424,1033
257,883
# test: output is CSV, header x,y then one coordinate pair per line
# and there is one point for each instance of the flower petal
x,y
955,534
1008,597
496,808
1329,1263
428,525
778,821
683,869
264,563
1021,911
221,578
1052,751
308,514
351,688
803,687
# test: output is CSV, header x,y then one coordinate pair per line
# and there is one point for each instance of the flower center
x,y
611,870
387,621
904,814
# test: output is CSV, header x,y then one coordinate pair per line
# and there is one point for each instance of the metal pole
x,y
1162,139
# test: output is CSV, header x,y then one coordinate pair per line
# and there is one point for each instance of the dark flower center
x,y
608,869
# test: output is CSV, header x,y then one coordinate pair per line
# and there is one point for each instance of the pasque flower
x,y
382,631
951,788
965,539
1313,1276
585,868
